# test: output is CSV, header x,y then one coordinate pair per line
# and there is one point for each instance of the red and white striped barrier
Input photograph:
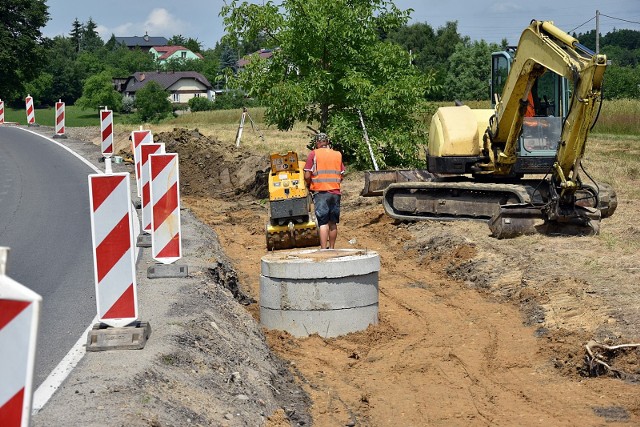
x,y
1,111
139,137
19,315
145,151
166,242
59,118
31,114
113,249
106,132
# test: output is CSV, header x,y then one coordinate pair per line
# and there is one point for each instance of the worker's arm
x,y
307,178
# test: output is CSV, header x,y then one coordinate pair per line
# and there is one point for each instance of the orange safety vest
x,y
326,174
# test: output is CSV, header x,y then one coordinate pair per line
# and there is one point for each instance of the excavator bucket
x,y
514,220
520,219
376,181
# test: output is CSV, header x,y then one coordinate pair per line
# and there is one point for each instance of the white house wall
x,y
183,90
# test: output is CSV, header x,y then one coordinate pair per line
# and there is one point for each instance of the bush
x,y
232,100
152,102
127,104
200,104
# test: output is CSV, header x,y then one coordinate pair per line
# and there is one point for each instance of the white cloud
x,y
159,23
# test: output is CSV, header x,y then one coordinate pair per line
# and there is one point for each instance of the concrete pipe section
x,y
324,292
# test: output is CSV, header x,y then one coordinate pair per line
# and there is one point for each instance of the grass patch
x,y
73,116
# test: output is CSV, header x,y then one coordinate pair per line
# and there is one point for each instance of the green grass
x,y
73,116
619,117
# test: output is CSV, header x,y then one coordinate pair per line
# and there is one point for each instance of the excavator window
x,y
501,63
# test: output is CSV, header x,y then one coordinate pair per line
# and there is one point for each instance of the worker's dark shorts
x,y
327,207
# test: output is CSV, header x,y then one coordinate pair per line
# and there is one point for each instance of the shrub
x,y
200,104
152,102
128,104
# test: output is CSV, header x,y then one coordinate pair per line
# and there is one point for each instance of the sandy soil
x,y
472,330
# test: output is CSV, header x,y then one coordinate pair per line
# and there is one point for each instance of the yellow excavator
x,y
516,166
291,223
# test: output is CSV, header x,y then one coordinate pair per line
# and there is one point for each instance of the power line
x,y
620,19
581,25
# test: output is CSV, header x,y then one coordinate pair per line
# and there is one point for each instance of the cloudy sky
x,y
491,20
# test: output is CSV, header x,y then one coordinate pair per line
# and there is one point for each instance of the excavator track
x,y
411,201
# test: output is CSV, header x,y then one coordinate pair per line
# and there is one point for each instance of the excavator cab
x,y
541,131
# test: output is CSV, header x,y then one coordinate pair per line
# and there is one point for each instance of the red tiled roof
x,y
262,53
166,51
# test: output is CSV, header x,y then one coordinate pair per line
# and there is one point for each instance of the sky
x,y
490,20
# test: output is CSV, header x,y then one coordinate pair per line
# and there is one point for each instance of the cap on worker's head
x,y
322,138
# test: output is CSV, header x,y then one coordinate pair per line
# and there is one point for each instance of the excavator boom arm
x,y
544,47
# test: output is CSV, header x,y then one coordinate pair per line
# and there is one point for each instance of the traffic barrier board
x,y
145,151
113,249
166,243
106,132
60,118
1,111
31,115
19,316
139,137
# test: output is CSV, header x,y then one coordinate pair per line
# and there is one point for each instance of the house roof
x,y
262,53
144,41
166,79
166,51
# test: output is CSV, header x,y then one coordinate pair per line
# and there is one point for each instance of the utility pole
x,y
597,32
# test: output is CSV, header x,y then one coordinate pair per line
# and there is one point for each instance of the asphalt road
x,y
45,220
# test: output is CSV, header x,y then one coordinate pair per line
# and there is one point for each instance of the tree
x,y
469,71
330,63
91,40
77,30
621,83
98,92
67,74
152,102
21,40
416,39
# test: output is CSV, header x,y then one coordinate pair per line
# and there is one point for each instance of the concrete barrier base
x,y
164,271
144,240
131,337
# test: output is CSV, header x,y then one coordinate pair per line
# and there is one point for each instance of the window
x,y
175,96
183,54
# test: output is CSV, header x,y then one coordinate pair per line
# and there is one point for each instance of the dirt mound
x,y
213,168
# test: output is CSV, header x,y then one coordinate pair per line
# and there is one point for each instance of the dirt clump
x,y
212,168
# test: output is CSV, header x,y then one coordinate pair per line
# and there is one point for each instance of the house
x,y
163,54
262,53
145,42
181,85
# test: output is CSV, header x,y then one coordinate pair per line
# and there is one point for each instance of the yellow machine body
x,y
291,224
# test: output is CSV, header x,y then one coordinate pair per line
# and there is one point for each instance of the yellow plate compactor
x,y
291,224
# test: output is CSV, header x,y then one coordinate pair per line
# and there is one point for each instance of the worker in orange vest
x,y
323,173
531,109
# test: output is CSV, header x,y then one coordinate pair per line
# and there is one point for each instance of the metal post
x,y
366,138
239,134
597,32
